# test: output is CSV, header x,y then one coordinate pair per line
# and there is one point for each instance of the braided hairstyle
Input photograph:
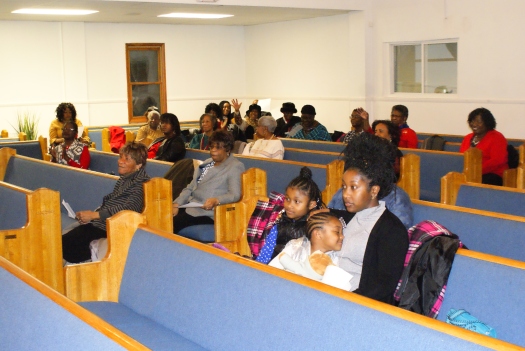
x,y
373,157
317,221
305,183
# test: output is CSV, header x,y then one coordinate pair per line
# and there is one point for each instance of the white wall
x,y
335,63
316,61
490,54
84,63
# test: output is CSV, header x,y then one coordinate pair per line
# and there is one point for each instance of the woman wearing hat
x,y
309,128
287,121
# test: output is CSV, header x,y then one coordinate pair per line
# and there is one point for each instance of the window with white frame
x,y
425,67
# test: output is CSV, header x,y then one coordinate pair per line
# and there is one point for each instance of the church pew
x,y
484,231
82,189
30,234
457,191
169,280
33,148
459,138
327,177
489,287
36,317
435,164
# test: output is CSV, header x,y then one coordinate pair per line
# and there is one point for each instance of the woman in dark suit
x,y
170,147
216,181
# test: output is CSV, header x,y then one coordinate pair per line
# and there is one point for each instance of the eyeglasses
x,y
70,129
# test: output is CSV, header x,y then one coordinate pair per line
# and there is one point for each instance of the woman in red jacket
x,y
492,144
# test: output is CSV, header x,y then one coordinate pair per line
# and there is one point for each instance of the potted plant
x,y
28,124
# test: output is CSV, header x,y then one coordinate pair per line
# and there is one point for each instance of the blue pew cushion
x,y
142,329
204,233
501,201
13,209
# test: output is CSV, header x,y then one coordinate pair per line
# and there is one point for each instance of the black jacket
x,y
172,150
283,127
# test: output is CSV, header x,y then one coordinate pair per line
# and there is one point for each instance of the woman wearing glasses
x,y
128,194
216,181
71,152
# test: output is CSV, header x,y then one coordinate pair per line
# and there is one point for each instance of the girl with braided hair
x,y
302,196
315,255
376,241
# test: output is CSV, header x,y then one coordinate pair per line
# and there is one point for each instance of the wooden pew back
x,y
206,278
36,317
488,232
30,232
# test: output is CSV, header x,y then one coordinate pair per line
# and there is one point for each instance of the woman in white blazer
x,y
216,181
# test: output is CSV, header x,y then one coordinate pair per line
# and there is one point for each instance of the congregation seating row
x,y
452,138
177,294
457,191
33,148
100,135
45,218
36,317
427,217
153,295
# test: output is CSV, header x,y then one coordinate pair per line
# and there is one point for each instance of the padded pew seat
x,y
491,198
30,320
491,289
482,231
13,211
174,290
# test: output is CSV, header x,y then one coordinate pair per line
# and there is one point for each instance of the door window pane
x,y
144,65
145,96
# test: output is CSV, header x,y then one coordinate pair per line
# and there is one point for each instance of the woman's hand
x,y
210,203
362,113
175,209
53,153
84,217
236,105
64,154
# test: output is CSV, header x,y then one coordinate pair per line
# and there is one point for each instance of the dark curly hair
x,y
173,120
223,137
373,157
305,183
486,116
62,108
392,129
212,106
221,106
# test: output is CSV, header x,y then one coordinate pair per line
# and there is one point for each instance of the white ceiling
x,y
147,12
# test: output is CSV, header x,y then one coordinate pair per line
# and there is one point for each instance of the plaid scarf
x,y
419,235
263,218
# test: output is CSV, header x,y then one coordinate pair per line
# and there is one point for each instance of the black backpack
x,y
435,142
514,156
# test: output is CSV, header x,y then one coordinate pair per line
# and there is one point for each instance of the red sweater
x,y
494,151
408,138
